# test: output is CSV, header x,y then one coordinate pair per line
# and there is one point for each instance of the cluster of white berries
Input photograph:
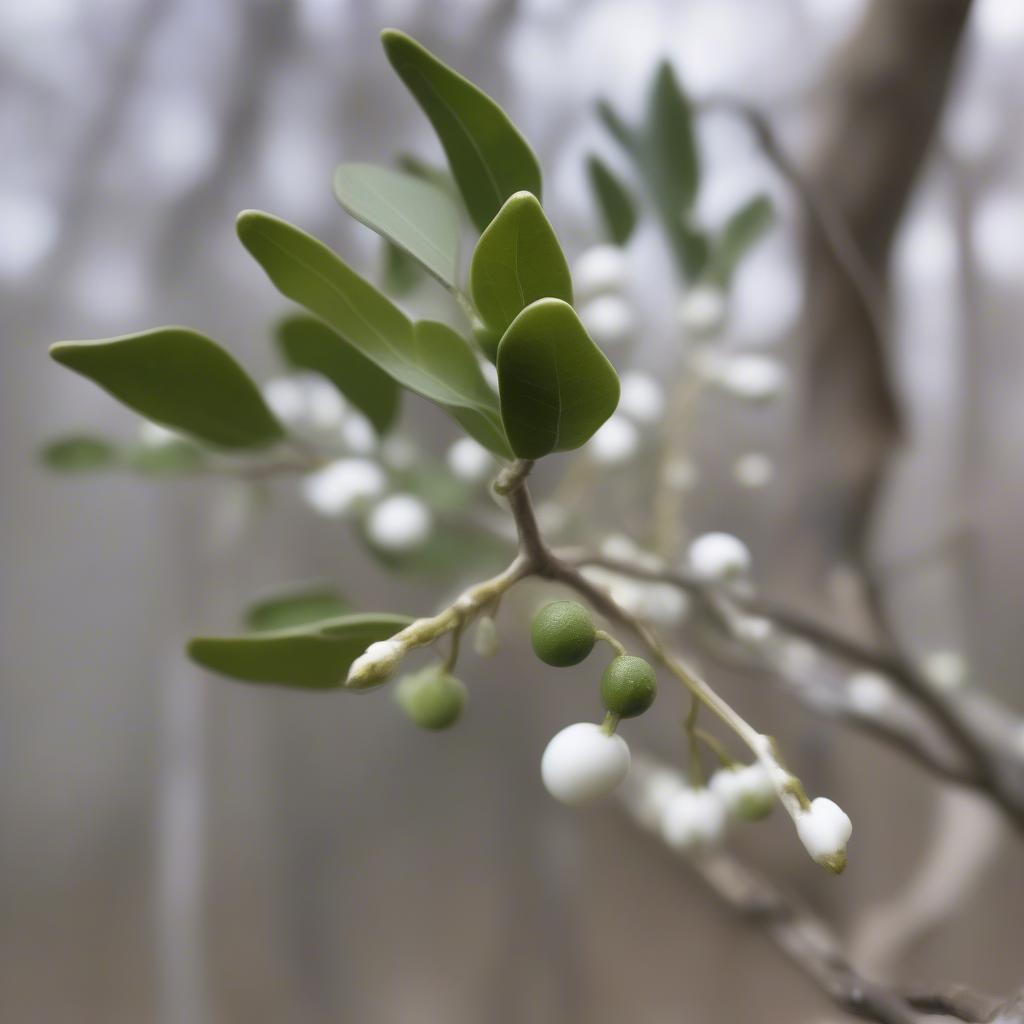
x,y
600,276
696,819
641,403
311,407
693,819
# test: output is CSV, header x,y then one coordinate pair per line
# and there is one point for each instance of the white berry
x,y
336,488
945,670
469,460
702,311
752,377
608,319
825,829
746,791
870,693
641,397
400,522
582,763
615,442
753,470
601,268
719,556
693,819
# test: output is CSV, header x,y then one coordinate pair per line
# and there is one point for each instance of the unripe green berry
x,y
432,698
628,686
563,633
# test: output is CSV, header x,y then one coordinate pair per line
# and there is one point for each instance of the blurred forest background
x,y
186,850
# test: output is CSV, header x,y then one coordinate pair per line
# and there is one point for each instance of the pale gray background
x,y
181,849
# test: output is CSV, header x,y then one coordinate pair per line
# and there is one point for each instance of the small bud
x,y
401,522
641,397
628,686
608,319
746,791
375,665
563,633
469,460
693,820
582,763
719,556
485,637
702,311
825,829
601,268
153,435
432,698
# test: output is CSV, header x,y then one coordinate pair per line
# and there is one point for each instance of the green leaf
x,y
178,378
80,453
401,273
315,657
443,354
170,458
309,344
432,360
616,204
742,230
489,158
557,387
414,214
671,147
296,606
623,134
517,261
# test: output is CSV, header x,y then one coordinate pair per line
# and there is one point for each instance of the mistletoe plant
x,y
523,379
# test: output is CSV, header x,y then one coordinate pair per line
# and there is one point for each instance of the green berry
x,y
628,686
432,698
563,633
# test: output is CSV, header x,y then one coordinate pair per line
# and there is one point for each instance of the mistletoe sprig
x,y
555,389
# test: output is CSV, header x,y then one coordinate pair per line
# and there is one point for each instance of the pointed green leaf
x,y
742,230
178,378
414,214
437,364
616,204
623,134
170,458
309,344
489,158
296,606
517,261
315,656
81,453
557,387
671,147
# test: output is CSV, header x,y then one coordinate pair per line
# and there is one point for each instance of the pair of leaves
x,y
426,357
314,656
181,379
